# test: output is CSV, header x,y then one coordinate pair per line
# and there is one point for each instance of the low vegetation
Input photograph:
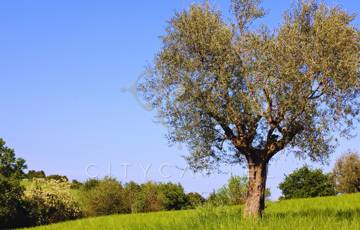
x,y
340,212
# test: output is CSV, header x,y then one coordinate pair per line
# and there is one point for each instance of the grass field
x,y
341,212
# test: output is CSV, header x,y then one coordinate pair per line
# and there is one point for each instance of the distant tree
x,y
35,174
234,94
346,173
149,199
132,191
304,183
57,177
105,198
10,166
172,196
233,193
76,184
194,200
90,183
237,190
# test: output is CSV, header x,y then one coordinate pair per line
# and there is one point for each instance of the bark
x,y
255,201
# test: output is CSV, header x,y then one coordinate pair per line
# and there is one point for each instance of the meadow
x,y
338,212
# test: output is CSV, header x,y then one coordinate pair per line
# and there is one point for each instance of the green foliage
x,y
194,200
76,184
132,191
12,211
57,177
105,198
90,183
234,193
339,212
51,201
237,190
304,182
10,166
232,93
172,196
346,173
35,174
149,199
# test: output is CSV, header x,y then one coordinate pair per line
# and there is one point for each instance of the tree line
x,y
32,198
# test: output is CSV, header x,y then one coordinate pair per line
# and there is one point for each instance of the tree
x,y
35,174
57,177
172,196
148,200
10,166
234,193
304,183
12,211
346,173
132,191
105,198
237,189
194,200
234,94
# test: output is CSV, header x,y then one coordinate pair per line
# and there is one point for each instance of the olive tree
x,y
235,94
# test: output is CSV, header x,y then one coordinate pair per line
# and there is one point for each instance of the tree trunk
x,y
255,201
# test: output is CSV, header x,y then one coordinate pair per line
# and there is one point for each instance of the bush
x,y
304,183
51,201
346,173
105,197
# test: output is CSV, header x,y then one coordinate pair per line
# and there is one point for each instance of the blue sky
x,y
64,66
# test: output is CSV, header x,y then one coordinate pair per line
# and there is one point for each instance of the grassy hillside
x,y
341,212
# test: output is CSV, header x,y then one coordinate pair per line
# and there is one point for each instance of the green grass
x,y
341,212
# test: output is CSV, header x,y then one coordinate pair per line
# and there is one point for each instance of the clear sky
x,y
64,66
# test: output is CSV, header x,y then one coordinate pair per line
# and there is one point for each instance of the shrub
x,y
105,198
346,173
304,183
51,201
